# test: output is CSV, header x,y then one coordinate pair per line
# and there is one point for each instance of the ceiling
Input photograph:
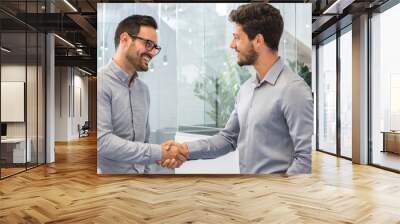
x,y
76,25
75,21
332,15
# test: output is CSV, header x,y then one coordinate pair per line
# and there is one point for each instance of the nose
x,y
233,44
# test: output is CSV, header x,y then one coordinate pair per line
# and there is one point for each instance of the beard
x,y
249,57
137,60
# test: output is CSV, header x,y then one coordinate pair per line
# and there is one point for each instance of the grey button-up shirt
x,y
271,126
123,123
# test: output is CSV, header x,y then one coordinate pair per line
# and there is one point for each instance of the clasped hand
x,y
173,154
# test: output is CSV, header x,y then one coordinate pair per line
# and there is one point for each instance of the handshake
x,y
173,154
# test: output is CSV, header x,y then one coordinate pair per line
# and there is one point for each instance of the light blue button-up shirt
x,y
271,126
123,123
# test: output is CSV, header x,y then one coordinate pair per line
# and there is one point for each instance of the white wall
x,y
67,115
61,103
80,103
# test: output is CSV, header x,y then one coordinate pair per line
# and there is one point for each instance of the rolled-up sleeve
x,y
111,146
297,106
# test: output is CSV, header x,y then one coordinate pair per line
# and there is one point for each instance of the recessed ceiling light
x,y
5,50
337,7
70,5
65,41
84,71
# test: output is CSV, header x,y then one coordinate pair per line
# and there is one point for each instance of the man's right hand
x,y
173,154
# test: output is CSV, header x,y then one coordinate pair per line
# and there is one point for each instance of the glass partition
x,y
327,96
385,89
13,109
22,89
31,98
346,94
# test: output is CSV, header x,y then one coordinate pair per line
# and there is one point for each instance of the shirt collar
x,y
272,74
121,74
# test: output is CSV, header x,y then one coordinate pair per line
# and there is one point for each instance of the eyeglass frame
x,y
146,42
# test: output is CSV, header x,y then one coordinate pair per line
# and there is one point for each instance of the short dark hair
x,y
132,25
260,18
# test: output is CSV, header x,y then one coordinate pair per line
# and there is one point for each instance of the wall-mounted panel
x,y
12,101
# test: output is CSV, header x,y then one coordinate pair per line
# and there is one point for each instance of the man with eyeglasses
x,y
123,102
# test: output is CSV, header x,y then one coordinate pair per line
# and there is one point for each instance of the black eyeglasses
x,y
148,44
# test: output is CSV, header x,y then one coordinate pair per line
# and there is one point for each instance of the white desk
x,y
226,164
18,149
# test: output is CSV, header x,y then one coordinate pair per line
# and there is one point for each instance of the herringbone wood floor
x,y
70,191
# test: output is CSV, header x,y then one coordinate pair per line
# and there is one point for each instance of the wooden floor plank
x,y
70,191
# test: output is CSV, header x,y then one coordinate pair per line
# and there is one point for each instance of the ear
x,y
258,41
123,39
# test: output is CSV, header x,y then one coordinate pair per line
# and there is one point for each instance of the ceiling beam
x,y
82,61
86,26
337,7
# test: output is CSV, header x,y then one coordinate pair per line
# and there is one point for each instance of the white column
x,y
360,90
50,100
314,90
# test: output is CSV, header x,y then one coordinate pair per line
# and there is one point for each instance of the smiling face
x,y
246,54
137,54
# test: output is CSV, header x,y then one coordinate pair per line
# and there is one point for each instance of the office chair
x,y
84,130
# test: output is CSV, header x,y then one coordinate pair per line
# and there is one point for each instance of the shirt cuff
x,y
194,150
155,153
